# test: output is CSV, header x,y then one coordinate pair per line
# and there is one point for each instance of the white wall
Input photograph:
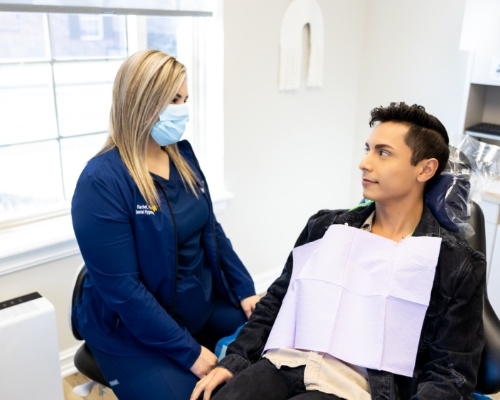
x,y
289,154
411,54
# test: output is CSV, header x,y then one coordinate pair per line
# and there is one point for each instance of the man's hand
x,y
204,363
207,385
248,304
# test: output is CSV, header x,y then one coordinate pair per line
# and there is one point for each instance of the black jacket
x,y
452,337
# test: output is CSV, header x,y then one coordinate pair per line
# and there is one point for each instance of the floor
x,y
77,379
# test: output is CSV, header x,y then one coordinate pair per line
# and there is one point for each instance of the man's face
x,y
388,175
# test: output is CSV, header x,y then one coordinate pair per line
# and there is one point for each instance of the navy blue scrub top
x,y
194,300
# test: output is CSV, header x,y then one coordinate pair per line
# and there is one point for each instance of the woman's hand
x,y
205,362
210,382
248,304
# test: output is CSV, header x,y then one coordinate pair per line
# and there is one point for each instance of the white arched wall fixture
x,y
298,14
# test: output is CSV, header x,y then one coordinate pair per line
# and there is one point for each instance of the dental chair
x,y
488,379
447,199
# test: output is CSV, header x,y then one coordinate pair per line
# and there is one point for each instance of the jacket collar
x,y
428,225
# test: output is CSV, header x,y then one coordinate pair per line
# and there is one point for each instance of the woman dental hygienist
x,y
163,282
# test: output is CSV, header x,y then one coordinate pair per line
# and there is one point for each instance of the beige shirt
x,y
324,373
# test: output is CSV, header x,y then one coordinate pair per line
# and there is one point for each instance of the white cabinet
x,y
483,94
482,105
485,69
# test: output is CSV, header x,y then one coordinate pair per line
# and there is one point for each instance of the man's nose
x,y
365,163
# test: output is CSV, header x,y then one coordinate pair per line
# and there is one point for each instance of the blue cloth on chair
x,y
448,200
222,344
479,396
449,196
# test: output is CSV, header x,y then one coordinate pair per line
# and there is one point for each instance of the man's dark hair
x,y
426,136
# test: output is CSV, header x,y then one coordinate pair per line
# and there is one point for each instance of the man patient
x,y
376,302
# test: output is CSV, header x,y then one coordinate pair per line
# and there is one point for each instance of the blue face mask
x,y
172,124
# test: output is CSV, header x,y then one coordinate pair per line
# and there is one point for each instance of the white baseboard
x,y
66,361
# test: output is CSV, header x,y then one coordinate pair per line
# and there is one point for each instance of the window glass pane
x,y
23,36
27,103
83,93
33,182
83,36
162,33
75,152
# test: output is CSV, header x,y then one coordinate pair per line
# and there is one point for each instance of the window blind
x,y
199,8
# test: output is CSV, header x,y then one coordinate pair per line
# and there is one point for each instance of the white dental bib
x,y
359,297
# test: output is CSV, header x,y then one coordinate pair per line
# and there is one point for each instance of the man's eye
x,y
383,153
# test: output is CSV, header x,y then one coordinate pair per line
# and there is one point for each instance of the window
x,y
90,27
56,76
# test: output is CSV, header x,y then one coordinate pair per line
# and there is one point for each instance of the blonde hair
x,y
145,84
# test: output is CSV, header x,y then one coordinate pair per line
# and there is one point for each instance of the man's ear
x,y
428,169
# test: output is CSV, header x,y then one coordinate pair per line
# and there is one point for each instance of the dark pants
x,y
264,381
158,377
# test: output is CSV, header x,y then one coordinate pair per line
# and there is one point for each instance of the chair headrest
x,y
448,197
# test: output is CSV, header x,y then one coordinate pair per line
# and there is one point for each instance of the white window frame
x,y
44,240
